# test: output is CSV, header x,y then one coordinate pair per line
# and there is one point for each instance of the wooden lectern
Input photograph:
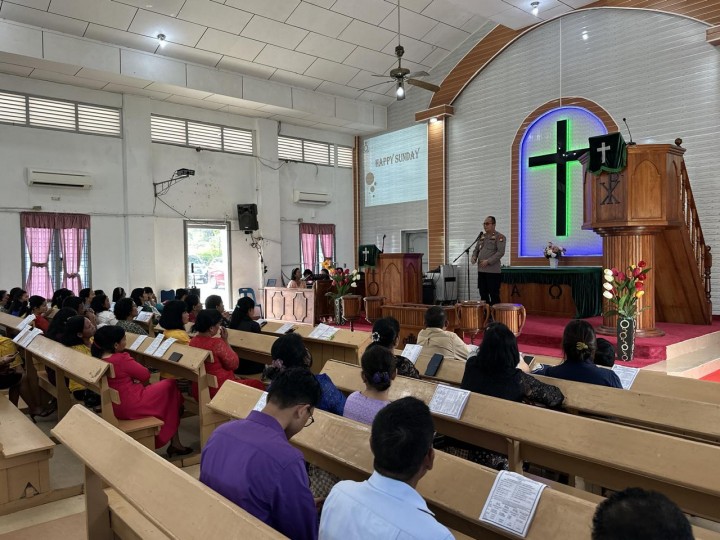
x,y
397,277
647,212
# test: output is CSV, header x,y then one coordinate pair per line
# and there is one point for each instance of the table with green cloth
x,y
585,283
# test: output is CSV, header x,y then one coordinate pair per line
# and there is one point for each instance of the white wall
x,y
135,242
655,69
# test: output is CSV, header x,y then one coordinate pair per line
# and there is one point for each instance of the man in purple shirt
x,y
252,463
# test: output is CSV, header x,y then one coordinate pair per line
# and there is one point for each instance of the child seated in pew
x,y
378,372
78,335
289,351
242,320
495,371
208,326
37,305
579,346
101,306
386,332
605,353
162,399
637,514
125,313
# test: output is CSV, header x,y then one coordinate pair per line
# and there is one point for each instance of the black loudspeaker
x,y
247,217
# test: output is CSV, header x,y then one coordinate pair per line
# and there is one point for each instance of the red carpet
x,y
543,335
713,377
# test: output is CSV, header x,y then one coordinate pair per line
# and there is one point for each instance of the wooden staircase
x,y
683,264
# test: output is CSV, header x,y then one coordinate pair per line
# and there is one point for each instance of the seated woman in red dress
x,y
162,399
207,326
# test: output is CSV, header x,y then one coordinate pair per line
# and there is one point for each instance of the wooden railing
x,y
701,250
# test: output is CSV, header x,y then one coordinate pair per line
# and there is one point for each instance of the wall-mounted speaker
x,y
247,217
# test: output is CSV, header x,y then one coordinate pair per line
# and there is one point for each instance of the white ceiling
x,y
327,46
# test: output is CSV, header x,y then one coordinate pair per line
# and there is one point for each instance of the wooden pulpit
x,y
397,277
647,212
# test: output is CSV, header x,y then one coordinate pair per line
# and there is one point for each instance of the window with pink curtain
x,y
316,240
56,251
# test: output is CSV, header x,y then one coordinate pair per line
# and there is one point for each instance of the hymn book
x,y
323,331
162,349
154,345
412,352
27,320
512,502
449,401
285,328
626,375
138,341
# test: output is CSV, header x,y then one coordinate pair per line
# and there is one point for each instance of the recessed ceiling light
x,y
535,8
161,39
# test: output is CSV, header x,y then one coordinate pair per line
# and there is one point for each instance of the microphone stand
x,y
466,251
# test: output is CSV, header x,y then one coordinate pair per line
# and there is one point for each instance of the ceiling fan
x,y
400,75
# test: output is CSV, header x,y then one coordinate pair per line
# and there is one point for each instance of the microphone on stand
x,y
382,249
631,143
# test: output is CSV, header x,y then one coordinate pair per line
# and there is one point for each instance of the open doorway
x,y
207,253
416,242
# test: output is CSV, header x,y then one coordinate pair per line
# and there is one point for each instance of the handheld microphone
x,y
631,143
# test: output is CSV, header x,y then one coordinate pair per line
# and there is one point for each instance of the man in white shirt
x,y
387,505
436,340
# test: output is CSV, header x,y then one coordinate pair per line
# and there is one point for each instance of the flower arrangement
x,y
624,289
343,279
553,251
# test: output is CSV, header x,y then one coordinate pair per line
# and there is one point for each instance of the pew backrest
x,y
455,489
611,455
174,502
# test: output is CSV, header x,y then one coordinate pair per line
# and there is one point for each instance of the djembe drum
x,y
473,317
350,308
511,315
373,308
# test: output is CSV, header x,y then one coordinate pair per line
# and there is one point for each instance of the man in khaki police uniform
x,y
489,249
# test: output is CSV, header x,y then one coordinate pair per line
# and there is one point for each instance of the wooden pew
x,y
682,417
345,346
679,417
192,367
25,452
9,324
90,372
252,346
146,497
661,384
606,454
455,489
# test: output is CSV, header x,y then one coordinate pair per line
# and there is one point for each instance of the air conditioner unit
x,y
308,197
55,179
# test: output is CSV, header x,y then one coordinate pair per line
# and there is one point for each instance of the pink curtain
x,y
308,245
38,241
327,240
72,242
73,233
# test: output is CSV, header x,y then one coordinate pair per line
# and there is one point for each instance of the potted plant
x,y
343,280
553,253
624,290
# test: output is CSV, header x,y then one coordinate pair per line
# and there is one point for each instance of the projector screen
x,y
395,166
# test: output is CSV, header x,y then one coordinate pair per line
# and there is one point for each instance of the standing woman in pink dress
x,y
162,400
208,325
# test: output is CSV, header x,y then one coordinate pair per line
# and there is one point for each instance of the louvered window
x,y
34,111
200,135
319,153
290,149
344,156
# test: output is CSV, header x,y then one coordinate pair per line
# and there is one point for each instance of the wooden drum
x,y
474,316
511,315
373,308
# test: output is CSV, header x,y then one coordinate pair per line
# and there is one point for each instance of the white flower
x,y
608,295
353,284
609,278
607,271
607,286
